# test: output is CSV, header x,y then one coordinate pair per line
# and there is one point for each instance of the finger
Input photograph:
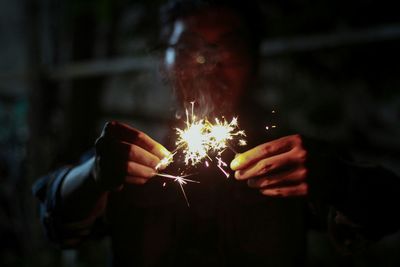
x,y
290,176
147,143
138,170
139,155
136,180
122,132
270,165
289,191
268,149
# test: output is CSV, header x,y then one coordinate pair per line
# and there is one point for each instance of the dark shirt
x,y
227,223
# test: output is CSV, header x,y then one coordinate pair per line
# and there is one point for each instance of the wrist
x,y
101,180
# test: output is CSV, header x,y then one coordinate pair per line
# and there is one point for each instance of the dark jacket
x,y
227,223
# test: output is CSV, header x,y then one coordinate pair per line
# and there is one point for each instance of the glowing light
x,y
194,141
181,180
165,161
222,164
222,132
242,142
200,137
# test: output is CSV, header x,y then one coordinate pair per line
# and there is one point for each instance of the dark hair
x,y
248,10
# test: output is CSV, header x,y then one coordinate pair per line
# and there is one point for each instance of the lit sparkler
x,y
222,164
181,180
200,137
198,140
242,142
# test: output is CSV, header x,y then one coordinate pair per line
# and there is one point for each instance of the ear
x,y
161,61
162,68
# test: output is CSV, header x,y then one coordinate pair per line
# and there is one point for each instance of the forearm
x,y
81,200
361,193
367,195
70,204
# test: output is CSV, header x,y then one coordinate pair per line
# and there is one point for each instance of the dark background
x,y
329,68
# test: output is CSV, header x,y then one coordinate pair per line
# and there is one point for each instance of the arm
x,y
277,168
293,166
358,200
74,198
358,194
70,203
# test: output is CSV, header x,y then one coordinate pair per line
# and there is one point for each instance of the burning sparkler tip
x,y
242,142
200,138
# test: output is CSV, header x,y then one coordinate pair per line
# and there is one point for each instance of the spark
x,y
242,142
222,164
270,127
194,142
200,137
222,132
165,161
176,178
181,180
198,140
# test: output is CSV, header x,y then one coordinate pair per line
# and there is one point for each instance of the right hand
x,y
125,155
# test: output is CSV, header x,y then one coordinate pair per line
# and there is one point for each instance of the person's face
x,y
208,60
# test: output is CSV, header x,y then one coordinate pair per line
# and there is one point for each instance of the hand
x,y
276,168
125,155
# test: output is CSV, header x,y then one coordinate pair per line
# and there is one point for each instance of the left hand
x,y
276,168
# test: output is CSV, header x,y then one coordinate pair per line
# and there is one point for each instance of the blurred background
x,y
330,68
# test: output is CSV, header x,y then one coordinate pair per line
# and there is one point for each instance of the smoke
x,y
211,94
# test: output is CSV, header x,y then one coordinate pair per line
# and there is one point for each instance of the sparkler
x,y
181,180
200,139
222,164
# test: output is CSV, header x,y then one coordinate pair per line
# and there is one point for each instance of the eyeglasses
x,y
192,51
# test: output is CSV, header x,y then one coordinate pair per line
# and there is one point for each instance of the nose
x,y
200,59
206,60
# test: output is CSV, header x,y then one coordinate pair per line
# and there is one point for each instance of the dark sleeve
x,y
66,234
359,199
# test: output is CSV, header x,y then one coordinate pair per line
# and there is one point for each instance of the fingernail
x,y
165,152
235,164
237,175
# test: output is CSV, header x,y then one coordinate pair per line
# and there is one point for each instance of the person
x,y
256,219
